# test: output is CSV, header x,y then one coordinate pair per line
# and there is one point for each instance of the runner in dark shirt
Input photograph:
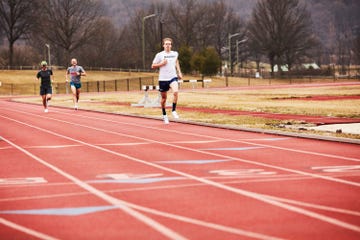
x,y
45,76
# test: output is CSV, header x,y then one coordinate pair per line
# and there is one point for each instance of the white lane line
x,y
52,146
26,230
79,145
257,196
245,141
316,206
128,207
218,155
202,223
186,185
228,179
113,201
211,225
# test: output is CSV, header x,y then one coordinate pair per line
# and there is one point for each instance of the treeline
x,y
206,34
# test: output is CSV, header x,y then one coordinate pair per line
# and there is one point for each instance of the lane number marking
x,y
242,172
337,169
18,181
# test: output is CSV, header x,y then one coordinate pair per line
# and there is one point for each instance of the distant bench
x,y
205,82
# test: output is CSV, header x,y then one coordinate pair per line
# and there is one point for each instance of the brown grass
x,y
275,100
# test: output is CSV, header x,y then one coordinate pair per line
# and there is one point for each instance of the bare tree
x,y
184,17
281,30
201,24
356,50
347,27
70,24
104,46
17,17
223,21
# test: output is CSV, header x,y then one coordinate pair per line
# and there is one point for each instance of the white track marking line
x,y
52,146
128,207
177,217
202,223
245,141
79,145
219,138
26,230
113,201
256,196
229,179
316,206
210,153
185,185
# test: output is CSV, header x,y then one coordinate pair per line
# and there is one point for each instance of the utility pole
x,y
143,36
49,56
231,36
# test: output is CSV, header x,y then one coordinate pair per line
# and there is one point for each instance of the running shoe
x,y
175,115
46,110
166,119
76,107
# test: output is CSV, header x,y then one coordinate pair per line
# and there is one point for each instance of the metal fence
x,y
128,84
130,70
136,83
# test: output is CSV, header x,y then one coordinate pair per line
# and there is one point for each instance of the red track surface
x,y
85,175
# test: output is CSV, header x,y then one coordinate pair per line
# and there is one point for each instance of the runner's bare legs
x,y
76,95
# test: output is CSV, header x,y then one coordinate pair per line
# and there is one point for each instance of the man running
x,y
75,73
169,73
45,85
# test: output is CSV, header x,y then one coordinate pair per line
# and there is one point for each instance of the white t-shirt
x,y
168,71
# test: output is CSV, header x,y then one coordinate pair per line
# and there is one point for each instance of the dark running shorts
x,y
45,90
164,86
76,85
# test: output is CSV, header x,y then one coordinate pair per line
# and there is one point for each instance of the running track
x,y
85,175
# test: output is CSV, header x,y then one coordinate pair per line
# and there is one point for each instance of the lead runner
x,y
169,73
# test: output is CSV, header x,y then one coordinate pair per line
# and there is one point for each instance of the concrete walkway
x,y
350,128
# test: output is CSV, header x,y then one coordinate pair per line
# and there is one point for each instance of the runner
x,y
75,73
45,85
169,73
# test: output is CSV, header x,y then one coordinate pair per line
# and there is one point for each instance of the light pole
x,y
231,36
143,36
48,47
237,50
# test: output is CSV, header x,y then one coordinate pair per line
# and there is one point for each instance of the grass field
x,y
293,100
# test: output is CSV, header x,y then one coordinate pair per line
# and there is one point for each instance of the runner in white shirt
x,y
169,73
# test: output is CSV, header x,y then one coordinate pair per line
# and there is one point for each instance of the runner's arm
x,y
66,76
